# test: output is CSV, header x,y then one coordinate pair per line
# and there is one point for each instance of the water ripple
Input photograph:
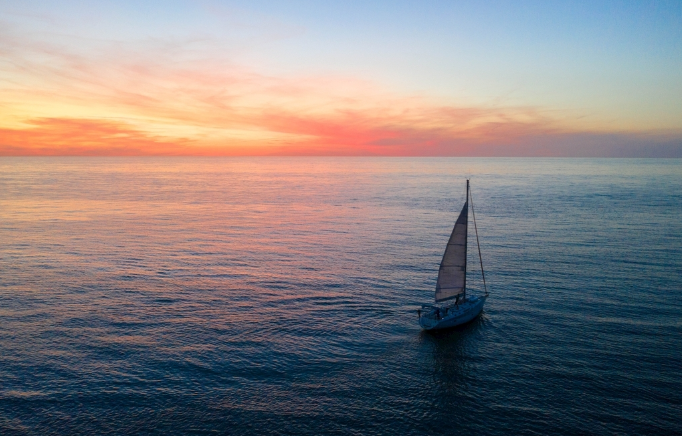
x,y
278,296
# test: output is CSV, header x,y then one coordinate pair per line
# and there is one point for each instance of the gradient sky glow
x,y
411,78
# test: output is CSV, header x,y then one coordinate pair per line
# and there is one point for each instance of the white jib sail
x,y
452,272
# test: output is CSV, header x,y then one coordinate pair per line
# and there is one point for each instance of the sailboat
x,y
453,306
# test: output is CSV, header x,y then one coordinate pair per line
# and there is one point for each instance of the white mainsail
x,y
453,267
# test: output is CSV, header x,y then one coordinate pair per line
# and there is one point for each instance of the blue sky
x,y
610,67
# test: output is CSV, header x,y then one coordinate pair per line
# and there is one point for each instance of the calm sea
x,y
258,296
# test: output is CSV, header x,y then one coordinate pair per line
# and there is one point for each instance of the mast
x,y
466,238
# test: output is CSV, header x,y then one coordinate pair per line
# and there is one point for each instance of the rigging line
x,y
478,244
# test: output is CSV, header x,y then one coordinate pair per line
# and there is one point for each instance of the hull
x,y
452,316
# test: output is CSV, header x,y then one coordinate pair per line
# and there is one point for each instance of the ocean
x,y
277,296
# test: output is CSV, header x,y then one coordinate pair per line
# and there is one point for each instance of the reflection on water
x,y
278,296
451,352
452,342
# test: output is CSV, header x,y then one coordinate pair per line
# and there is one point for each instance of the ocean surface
x,y
277,296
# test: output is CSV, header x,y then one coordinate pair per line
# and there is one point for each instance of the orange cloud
x,y
54,136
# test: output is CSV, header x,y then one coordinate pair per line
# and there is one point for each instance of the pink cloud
x,y
79,137
186,84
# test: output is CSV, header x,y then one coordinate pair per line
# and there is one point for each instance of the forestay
x,y
452,272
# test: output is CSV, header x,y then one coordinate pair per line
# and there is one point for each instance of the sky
x,y
387,78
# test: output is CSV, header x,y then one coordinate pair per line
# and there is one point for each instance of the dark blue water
x,y
277,296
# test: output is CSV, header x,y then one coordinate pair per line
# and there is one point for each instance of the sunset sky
x,y
396,78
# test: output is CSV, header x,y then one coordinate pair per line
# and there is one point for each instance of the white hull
x,y
452,315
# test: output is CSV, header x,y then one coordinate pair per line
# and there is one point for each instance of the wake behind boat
x,y
453,307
